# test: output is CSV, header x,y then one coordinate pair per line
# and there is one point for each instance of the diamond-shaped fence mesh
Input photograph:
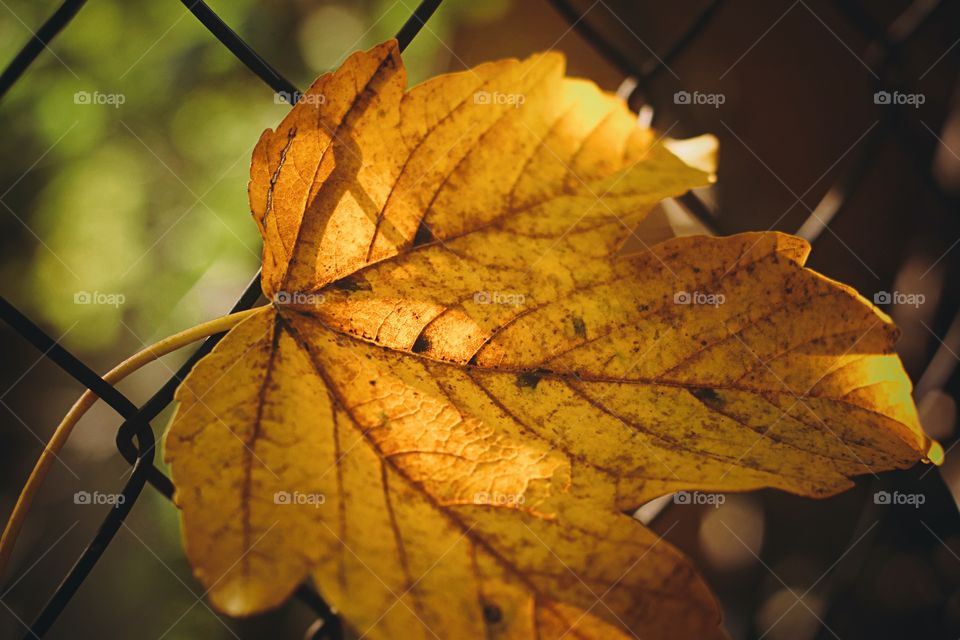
x,y
135,439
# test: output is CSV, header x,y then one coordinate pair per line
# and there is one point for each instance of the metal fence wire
x,y
135,438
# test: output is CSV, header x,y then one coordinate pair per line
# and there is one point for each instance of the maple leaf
x,y
457,389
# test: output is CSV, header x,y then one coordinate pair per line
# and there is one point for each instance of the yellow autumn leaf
x,y
296,449
708,363
457,389
508,152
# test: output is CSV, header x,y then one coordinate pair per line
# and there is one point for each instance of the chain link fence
x,y
135,438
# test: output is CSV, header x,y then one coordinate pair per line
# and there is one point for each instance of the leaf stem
x,y
83,404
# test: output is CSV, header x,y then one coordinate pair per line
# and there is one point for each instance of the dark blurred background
x,y
123,167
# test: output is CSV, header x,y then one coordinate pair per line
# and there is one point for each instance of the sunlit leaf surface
x,y
458,389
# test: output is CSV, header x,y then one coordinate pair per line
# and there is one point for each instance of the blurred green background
x,y
146,198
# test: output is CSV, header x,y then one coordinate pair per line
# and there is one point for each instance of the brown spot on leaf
x,y
531,379
492,614
421,344
423,235
351,284
579,327
706,395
